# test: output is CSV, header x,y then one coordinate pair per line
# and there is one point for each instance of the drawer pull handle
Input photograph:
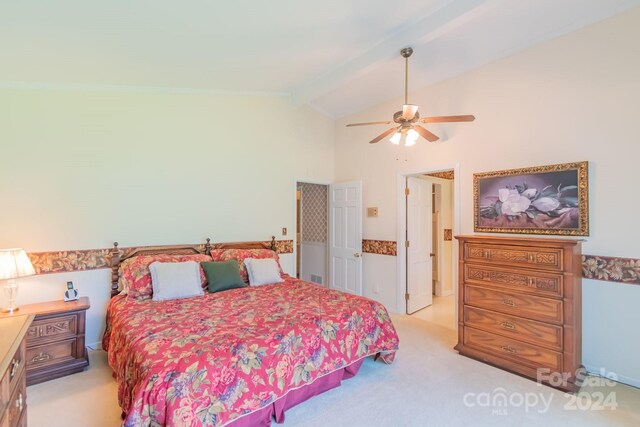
x,y
508,325
509,349
19,402
508,302
15,364
41,357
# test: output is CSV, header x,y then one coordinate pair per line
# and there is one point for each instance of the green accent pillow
x,y
222,276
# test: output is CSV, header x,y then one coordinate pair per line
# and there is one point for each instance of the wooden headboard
x,y
118,256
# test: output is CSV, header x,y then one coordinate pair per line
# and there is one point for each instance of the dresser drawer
x,y
534,282
514,327
521,305
542,258
10,380
517,351
51,354
52,329
17,403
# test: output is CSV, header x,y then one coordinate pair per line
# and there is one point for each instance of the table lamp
x,y
14,263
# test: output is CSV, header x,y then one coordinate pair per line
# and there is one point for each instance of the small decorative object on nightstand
x,y
55,339
14,263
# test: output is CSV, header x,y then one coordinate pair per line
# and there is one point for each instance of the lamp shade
x,y
14,263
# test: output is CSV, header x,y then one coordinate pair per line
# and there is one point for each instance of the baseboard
x,y
445,293
94,345
623,379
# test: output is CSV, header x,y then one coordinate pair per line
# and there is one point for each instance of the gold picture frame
x,y
550,200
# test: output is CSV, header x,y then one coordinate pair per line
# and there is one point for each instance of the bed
x,y
240,357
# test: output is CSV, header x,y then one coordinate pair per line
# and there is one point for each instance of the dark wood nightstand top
x,y
50,307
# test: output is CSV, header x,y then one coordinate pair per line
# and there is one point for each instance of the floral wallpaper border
x,y
611,269
608,269
380,247
95,259
444,175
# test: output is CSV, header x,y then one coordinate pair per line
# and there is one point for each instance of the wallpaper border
x,y
96,259
379,247
611,269
596,267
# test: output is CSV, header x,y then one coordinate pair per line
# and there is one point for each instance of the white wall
x,y
574,98
82,169
313,260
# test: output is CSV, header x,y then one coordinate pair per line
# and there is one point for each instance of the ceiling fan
x,y
407,122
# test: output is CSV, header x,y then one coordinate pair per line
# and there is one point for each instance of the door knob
x,y
432,255
357,255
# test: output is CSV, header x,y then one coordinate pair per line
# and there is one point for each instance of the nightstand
x,y
55,340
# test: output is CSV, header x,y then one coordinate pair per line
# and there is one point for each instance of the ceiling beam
x,y
447,17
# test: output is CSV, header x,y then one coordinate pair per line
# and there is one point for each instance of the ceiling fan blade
x,y
370,123
409,111
384,135
431,137
448,119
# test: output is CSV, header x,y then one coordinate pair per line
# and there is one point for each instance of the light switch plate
x,y
284,231
372,212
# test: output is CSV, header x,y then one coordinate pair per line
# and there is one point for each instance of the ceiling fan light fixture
x,y
409,111
412,137
407,129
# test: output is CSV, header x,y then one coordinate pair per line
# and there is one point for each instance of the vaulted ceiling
x,y
339,56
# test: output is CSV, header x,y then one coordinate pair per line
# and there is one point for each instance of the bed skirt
x,y
263,417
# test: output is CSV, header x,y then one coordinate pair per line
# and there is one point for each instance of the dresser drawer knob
x,y
508,302
40,357
15,364
508,325
19,402
509,349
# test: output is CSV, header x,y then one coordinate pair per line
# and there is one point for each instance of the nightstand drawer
x,y
52,328
50,354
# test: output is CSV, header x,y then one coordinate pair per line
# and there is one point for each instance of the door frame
x,y
401,252
295,213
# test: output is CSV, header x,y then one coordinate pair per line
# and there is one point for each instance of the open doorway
x,y
312,220
429,250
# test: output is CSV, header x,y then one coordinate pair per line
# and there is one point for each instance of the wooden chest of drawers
x,y
520,306
13,396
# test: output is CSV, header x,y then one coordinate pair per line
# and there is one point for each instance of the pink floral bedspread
x,y
206,361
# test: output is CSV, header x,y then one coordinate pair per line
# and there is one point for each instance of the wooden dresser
x,y
520,306
13,394
55,343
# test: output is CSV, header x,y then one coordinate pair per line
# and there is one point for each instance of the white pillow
x,y
262,271
172,280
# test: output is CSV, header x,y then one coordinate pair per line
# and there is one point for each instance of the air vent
x,y
316,279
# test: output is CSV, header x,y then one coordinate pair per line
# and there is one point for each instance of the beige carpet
x,y
426,386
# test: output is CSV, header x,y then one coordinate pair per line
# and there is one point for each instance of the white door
x,y
345,237
419,236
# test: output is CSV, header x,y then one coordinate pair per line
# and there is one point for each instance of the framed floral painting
x,y
551,199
